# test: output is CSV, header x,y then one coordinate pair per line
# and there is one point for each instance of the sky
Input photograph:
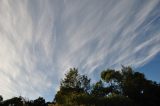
x,y
41,39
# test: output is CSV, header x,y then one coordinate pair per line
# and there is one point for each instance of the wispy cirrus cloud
x,y
40,40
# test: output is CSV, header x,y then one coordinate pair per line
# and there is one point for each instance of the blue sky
x,y
152,69
41,39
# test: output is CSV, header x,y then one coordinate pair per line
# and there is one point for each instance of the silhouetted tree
x,y
39,102
133,85
73,87
98,89
1,98
74,80
123,87
15,101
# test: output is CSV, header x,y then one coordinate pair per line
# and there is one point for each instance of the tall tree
x,y
73,87
74,80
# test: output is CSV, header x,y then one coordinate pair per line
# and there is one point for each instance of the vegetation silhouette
x,y
124,87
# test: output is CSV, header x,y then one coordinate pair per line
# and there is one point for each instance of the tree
x,y
113,79
73,87
15,101
74,80
71,79
98,89
126,81
123,87
133,85
39,102
118,100
111,76
1,98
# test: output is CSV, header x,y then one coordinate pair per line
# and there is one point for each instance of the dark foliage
x,y
123,87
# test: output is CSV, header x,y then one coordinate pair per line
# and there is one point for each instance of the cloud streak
x,y
40,40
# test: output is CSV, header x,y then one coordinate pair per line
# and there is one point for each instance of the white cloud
x,y
40,40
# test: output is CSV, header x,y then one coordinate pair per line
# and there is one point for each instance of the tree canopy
x,y
124,87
